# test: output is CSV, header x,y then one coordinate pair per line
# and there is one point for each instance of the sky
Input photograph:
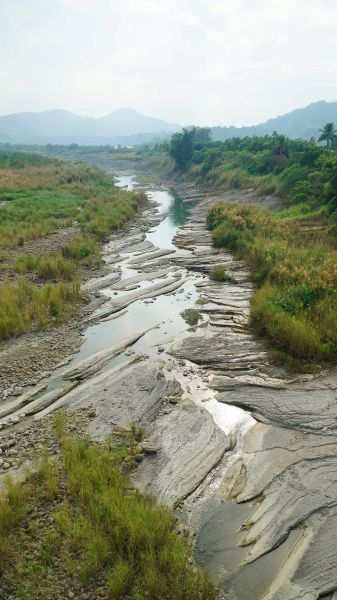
x,y
205,62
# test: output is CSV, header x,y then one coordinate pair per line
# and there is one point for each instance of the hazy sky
x,y
189,61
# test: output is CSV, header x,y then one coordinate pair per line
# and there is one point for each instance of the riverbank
x,y
186,385
151,399
269,541
53,218
75,527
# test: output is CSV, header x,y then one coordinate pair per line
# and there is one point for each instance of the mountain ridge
x,y
304,122
55,125
126,126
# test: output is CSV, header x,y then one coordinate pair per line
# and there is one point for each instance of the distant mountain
x,y
300,123
127,127
122,126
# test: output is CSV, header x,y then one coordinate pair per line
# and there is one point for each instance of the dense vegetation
x,y
39,196
96,530
295,305
300,172
292,251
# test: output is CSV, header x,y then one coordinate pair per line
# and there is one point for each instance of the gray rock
x,y
191,445
89,365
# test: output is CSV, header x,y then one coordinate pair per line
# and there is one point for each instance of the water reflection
x,y
179,210
177,213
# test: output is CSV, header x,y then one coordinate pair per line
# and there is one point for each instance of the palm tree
x,y
328,135
281,144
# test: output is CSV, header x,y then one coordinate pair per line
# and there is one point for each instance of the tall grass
x,y
219,273
26,307
53,267
295,305
43,195
99,530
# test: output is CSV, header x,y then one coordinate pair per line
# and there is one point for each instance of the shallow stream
x,y
162,315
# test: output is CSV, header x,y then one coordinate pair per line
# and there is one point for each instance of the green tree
x,y
181,148
328,135
280,144
202,135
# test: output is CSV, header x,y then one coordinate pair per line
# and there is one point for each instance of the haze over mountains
x,y
300,123
128,127
122,126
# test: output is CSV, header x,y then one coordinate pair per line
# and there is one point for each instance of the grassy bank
x,y
78,524
294,305
299,172
292,252
40,196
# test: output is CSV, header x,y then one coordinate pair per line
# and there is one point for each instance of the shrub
x,y
219,273
24,306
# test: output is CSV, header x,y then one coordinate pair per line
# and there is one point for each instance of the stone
x,y
150,448
89,365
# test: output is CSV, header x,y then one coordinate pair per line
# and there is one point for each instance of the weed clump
x,y
219,273
192,316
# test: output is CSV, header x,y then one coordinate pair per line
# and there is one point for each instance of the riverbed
x,y
243,451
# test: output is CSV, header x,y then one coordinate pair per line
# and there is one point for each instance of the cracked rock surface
x,y
286,474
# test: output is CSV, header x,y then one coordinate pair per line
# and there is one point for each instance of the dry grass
x,y
294,306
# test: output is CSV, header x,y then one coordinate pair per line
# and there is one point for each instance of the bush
x,y
191,316
79,248
219,273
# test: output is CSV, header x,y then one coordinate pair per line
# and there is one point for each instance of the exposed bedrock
x,y
287,471
157,289
84,367
228,352
101,282
293,477
191,445
304,405
130,281
187,443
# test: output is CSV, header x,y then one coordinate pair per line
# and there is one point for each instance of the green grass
x,y
33,214
99,529
53,267
219,273
43,195
300,211
26,307
295,303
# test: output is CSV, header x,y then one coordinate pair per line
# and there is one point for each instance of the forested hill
x,y
300,123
